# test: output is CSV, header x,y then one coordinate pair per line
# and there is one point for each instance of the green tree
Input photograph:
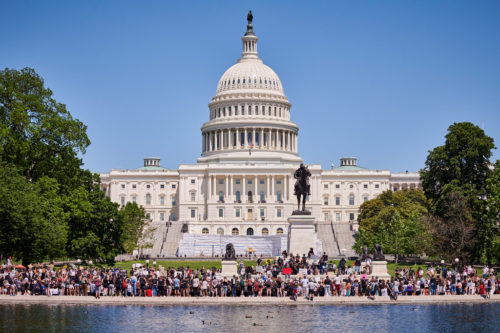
x,y
33,224
461,165
37,133
492,216
134,221
394,220
95,226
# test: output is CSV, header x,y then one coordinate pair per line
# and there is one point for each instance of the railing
x,y
335,238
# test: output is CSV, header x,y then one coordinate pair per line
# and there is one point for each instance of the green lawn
x,y
391,267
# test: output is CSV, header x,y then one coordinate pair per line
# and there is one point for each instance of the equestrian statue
x,y
302,188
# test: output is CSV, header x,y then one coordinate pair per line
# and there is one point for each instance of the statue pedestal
x,y
379,269
229,268
301,234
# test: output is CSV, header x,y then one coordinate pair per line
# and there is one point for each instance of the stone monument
x,y
229,264
379,264
301,231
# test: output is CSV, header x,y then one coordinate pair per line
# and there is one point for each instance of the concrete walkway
x,y
190,301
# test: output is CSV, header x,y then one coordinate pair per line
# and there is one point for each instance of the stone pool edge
x,y
195,301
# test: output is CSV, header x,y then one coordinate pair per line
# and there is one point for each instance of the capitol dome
x,y
249,114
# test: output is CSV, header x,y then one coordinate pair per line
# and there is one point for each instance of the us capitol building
x,y
242,184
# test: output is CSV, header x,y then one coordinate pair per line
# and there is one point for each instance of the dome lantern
x,y
249,41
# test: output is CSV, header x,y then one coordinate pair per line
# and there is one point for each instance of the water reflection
x,y
316,318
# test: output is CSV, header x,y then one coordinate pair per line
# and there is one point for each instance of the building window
x,y
337,217
238,196
204,231
351,216
148,216
337,185
162,200
262,196
262,212
279,231
122,201
351,186
377,185
249,181
221,181
134,199
365,186
148,199
174,217
162,186
235,232
123,185
221,196
326,217
351,199
238,212
261,181
162,216
238,181
134,186
173,185
193,213
220,231
325,201
250,198
325,185
278,212
148,186
337,201
174,201
278,196
193,196
278,181
265,231
221,212
365,198
193,181
250,232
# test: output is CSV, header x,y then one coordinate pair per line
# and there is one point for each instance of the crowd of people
x,y
286,276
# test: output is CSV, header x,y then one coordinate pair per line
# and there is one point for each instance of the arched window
x,y
325,200
220,231
204,231
148,199
238,196
162,200
235,232
351,199
265,231
249,232
221,196
279,231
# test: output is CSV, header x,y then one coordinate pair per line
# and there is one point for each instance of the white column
x,y
296,142
231,190
268,194
226,196
272,188
253,137
244,194
237,139
289,137
209,187
255,187
286,189
230,139
261,139
216,143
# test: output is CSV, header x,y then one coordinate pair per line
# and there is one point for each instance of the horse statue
x,y
302,187
365,254
230,252
378,255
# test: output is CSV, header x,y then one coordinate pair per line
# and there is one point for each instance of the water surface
x,y
253,318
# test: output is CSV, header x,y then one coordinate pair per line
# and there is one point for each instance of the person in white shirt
x,y
305,283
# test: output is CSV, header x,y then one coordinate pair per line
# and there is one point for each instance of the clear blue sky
x,y
379,80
